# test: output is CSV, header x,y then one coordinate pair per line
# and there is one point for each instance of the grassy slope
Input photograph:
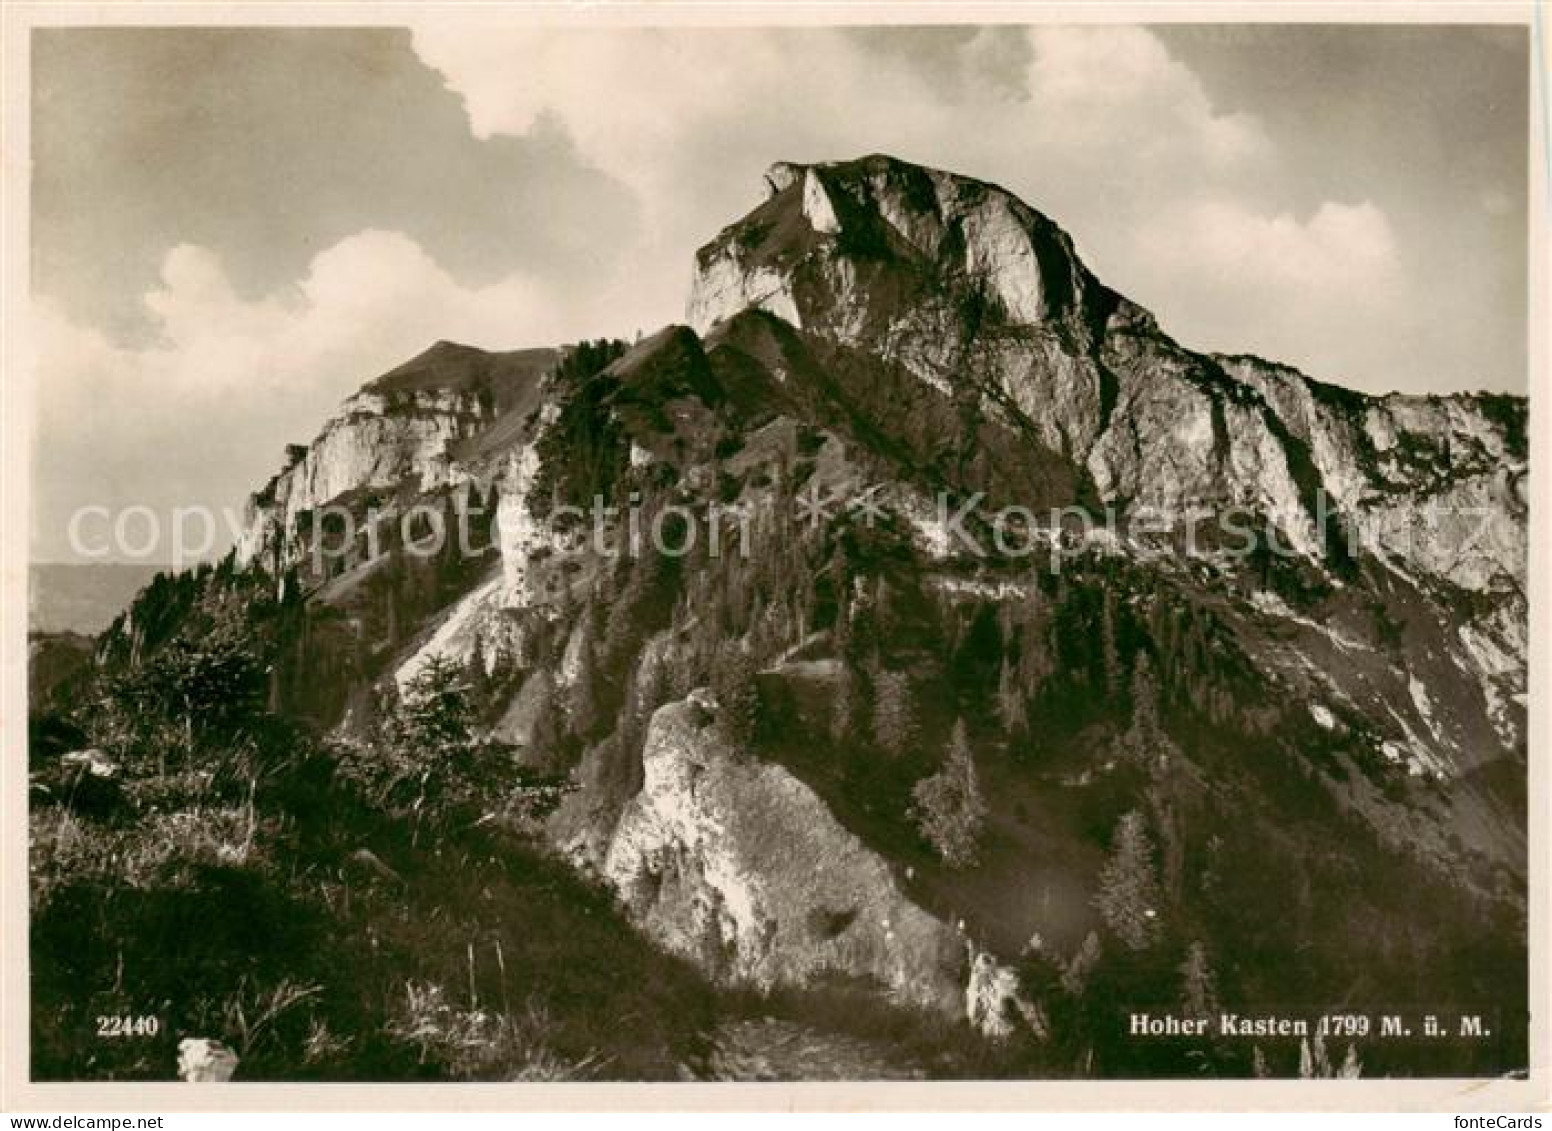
x,y
484,959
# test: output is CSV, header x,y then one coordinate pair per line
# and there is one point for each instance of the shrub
x,y
426,763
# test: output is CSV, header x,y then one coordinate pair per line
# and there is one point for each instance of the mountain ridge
x,y
877,331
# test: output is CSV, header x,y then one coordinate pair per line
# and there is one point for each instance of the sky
x,y
234,229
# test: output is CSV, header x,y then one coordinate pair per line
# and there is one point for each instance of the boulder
x,y
739,866
202,1060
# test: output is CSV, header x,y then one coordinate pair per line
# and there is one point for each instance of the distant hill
x,y
82,597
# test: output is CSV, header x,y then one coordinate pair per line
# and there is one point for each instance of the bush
x,y
426,764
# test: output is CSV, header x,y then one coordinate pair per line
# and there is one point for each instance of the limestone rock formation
x,y
995,1003
965,284
739,865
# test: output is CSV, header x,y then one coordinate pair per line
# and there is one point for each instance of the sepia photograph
x,y
678,547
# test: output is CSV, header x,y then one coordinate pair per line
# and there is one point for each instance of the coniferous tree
x,y
1145,698
1258,1066
647,692
195,691
842,637
477,675
883,607
1128,895
583,703
633,609
1035,664
1315,1063
1109,652
948,806
1012,711
894,721
1075,978
428,760
1168,824
546,730
737,695
1146,741
1198,991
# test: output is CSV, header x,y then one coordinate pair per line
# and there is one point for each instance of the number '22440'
x,y
124,1025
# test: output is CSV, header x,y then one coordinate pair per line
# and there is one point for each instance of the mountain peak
x,y
441,363
451,367
871,238
783,174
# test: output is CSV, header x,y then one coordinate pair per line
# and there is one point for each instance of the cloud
x,y
200,416
1118,90
1100,127
271,144
1339,245
1314,292
1171,199
642,104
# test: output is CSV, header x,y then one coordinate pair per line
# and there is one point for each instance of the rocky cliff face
x,y
972,291
835,246
738,865
1434,484
400,431
364,447
876,330
969,287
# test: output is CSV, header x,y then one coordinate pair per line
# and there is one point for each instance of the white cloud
x,y
1118,90
641,102
1100,127
1339,240
200,416
1317,292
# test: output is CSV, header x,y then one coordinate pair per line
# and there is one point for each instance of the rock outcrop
x,y
965,284
973,292
205,1061
740,866
1435,484
400,431
996,1005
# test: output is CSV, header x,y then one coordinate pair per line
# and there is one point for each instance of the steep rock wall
x,y
741,867
961,282
369,444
